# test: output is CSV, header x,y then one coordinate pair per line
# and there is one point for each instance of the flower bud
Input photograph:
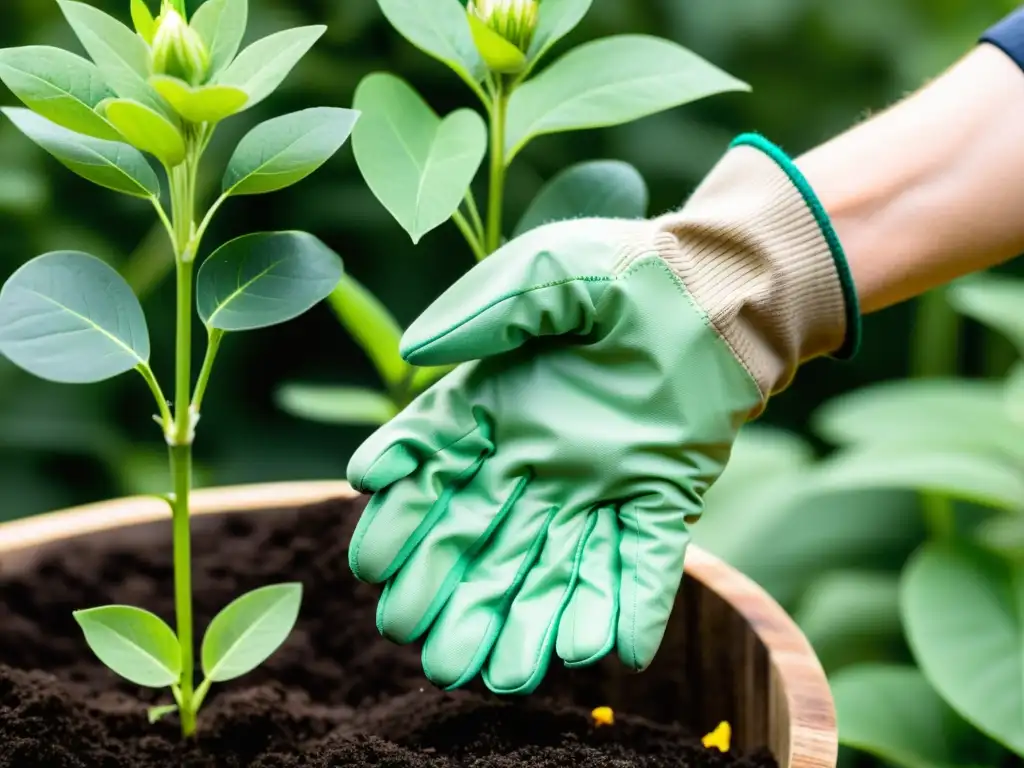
x,y
178,50
513,20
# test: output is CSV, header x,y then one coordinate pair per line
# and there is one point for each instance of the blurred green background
x,y
816,66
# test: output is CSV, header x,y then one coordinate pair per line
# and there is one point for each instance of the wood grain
x,y
730,653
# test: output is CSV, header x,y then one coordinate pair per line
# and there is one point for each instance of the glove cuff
x,y
758,253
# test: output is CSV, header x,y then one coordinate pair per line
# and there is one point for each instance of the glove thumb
x,y
544,283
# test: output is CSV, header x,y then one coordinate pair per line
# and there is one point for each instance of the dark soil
x,y
335,695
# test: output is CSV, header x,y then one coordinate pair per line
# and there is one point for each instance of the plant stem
x,y
499,111
161,400
212,346
474,216
934,353
181,470
471,238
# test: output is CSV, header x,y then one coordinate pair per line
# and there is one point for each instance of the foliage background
x,y
816,67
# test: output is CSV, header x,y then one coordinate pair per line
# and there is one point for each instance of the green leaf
x,y
287,149
1013,394
852,616
418,165
221,25
203,104
556,19
265,279
143,20
68,317
963,476
891,712
155,714
110,164
497,52
249,630
336,405
995,300
121,55
60,86
146,129
134,643
609,82
264,65
974,417
599,188
761,497
372,326
1002,534
440,29
962,614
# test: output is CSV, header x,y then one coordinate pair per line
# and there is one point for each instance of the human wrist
x,y
757,252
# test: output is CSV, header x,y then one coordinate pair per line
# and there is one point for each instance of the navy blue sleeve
x,y
1008,36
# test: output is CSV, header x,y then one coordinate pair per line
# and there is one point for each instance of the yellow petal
x,y
603,716
719,737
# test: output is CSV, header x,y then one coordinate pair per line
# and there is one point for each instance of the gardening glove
x,y
538,498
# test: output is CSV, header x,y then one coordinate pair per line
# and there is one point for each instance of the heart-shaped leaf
x,y
110,164
221,25
68,317
962,614
60,86
143,20
892,713
599,188
203,104
287,149
146,129
372,326
121,55
608,82
336,405
441,30
134,643
556,19
249,630
265,279
264,65
418,165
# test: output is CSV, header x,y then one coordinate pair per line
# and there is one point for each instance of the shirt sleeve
x,y
1008,36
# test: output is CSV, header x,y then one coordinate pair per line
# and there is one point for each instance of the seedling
x,y
421,165
67,316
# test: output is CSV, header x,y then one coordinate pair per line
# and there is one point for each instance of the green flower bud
x,y
513,20
178,50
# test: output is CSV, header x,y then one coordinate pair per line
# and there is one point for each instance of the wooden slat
x,y
730,652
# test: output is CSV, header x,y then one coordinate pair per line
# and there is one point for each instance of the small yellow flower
x,y
719,738
603,716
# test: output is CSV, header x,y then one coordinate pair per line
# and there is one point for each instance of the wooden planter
x,y
744,659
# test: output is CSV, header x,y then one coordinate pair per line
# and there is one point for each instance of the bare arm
x,y
933,188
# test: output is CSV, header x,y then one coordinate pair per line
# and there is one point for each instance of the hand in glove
x,y
539,497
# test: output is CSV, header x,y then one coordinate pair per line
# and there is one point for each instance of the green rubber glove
x,y
536,501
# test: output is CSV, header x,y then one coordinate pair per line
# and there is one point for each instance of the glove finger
x,y
464,633
544,283
587,630
652,548
397,518
524,647
434,421
418,592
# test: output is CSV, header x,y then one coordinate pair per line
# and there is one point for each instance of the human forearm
x,y
933,188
